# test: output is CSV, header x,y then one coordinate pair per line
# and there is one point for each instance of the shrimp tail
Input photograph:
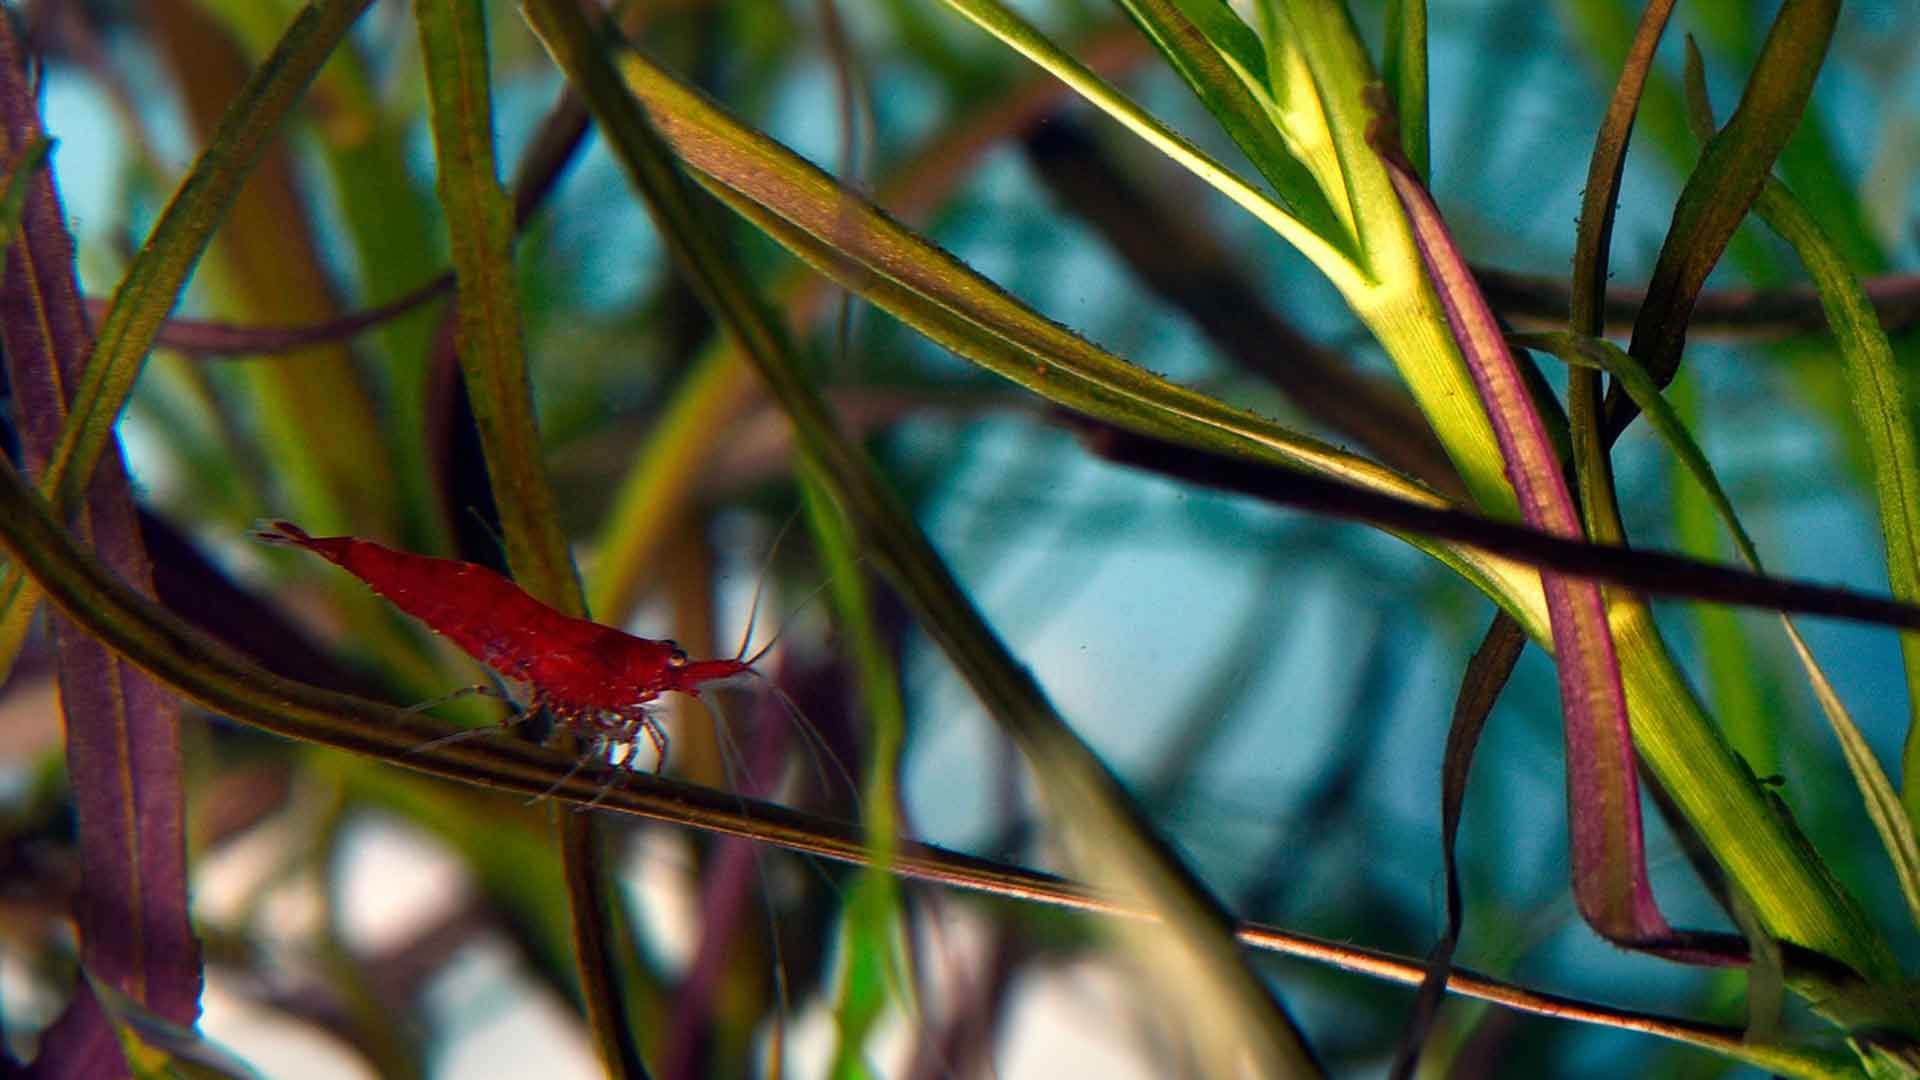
x,y
284,533
334,549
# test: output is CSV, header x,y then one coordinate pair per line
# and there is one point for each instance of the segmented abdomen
x,y
495,621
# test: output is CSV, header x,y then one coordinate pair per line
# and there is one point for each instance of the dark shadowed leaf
x,y
122,729
1487,674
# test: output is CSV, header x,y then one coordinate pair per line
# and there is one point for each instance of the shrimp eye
x,y
678,659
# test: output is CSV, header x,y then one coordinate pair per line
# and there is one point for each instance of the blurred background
x,y
1274,688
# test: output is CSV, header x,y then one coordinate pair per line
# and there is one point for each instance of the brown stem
x,y
1536,301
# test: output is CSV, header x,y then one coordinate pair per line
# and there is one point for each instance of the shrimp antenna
x,y
760,588
787,619
487,526
817,744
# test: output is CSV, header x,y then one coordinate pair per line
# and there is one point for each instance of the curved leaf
x,y
1883,806
1003,23
1603,794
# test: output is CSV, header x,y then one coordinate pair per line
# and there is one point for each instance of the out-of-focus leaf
x,y
873,969
1233,1015
316,433
152,283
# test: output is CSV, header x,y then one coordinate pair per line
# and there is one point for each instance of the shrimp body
x,y
595,679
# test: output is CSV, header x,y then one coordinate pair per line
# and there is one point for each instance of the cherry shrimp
x,y
593,679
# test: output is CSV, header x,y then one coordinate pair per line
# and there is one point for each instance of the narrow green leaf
x,y
1224,63
1733,168
480,226
1003,23
873,969
1738,682
1236,1018
1405,70
1880,406
479,215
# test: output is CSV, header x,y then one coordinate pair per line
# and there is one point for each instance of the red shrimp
x,y
594,679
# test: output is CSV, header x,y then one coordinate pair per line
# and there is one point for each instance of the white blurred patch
x,y
1081,1019
227,885
664,896
393,883
498,1023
